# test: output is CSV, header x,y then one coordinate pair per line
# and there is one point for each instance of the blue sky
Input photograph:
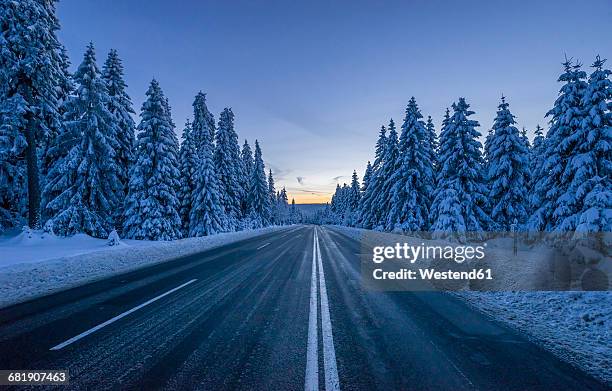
x,y
314,80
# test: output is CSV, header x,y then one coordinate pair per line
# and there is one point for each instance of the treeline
x,y
451,183
72,158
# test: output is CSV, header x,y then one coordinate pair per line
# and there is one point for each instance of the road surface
x,y
282,311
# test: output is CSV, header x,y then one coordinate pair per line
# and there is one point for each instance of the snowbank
x,y
575,326
35,264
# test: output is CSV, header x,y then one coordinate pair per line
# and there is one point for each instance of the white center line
x,y
312,354
116,318
262,246
329,354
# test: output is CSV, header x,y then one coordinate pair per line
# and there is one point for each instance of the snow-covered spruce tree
x,y
433,141
207,214
527,172
47,158
227,163
384,193
294,214
188,168
121,107
413,180
152,205
551,198
591,161
367,176
353,198
282,206
203,126
537,152
82,187
366,216
32,76
272,197
460,196
246,166
508,166
259,200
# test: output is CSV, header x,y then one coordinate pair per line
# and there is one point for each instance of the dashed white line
x,y
116,318
262,246
329,354
312,353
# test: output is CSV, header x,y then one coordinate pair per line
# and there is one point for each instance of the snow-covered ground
x,y
34,264
575,326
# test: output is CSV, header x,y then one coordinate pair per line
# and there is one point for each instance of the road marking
x,y
260,247
116,318
312,354
329,354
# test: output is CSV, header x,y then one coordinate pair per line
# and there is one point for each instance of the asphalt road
x,y
282,311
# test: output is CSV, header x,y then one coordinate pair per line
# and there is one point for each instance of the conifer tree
x,y
384,191
120,106
413,180
82,187
227,163
591,160
152,205
460,196
246,157
207,215
259,200
433,141
32,78
188,167
367,216
537,151
367,176
203,126
508,167
551,198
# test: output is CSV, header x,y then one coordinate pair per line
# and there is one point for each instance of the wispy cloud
x,y
300,180
337,178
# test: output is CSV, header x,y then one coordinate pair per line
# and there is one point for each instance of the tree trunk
x,y
33,182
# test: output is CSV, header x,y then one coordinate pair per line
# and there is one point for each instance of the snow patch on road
x,y
34,264
575,326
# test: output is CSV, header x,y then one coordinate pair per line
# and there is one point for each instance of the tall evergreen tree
x,y
508,167
460,196
591,162
413,180
367,216
32,76
271,188
381,145
355,194
551,198
367,176
390,164
82,187
203,126
120,106
433,141
259,200
207,214
227,163
246,157
152,205
537,151
188,167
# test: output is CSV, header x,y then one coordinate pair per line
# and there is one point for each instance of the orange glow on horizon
x,y
310,198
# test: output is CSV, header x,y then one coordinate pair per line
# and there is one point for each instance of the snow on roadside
x,y
31,266
575,326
